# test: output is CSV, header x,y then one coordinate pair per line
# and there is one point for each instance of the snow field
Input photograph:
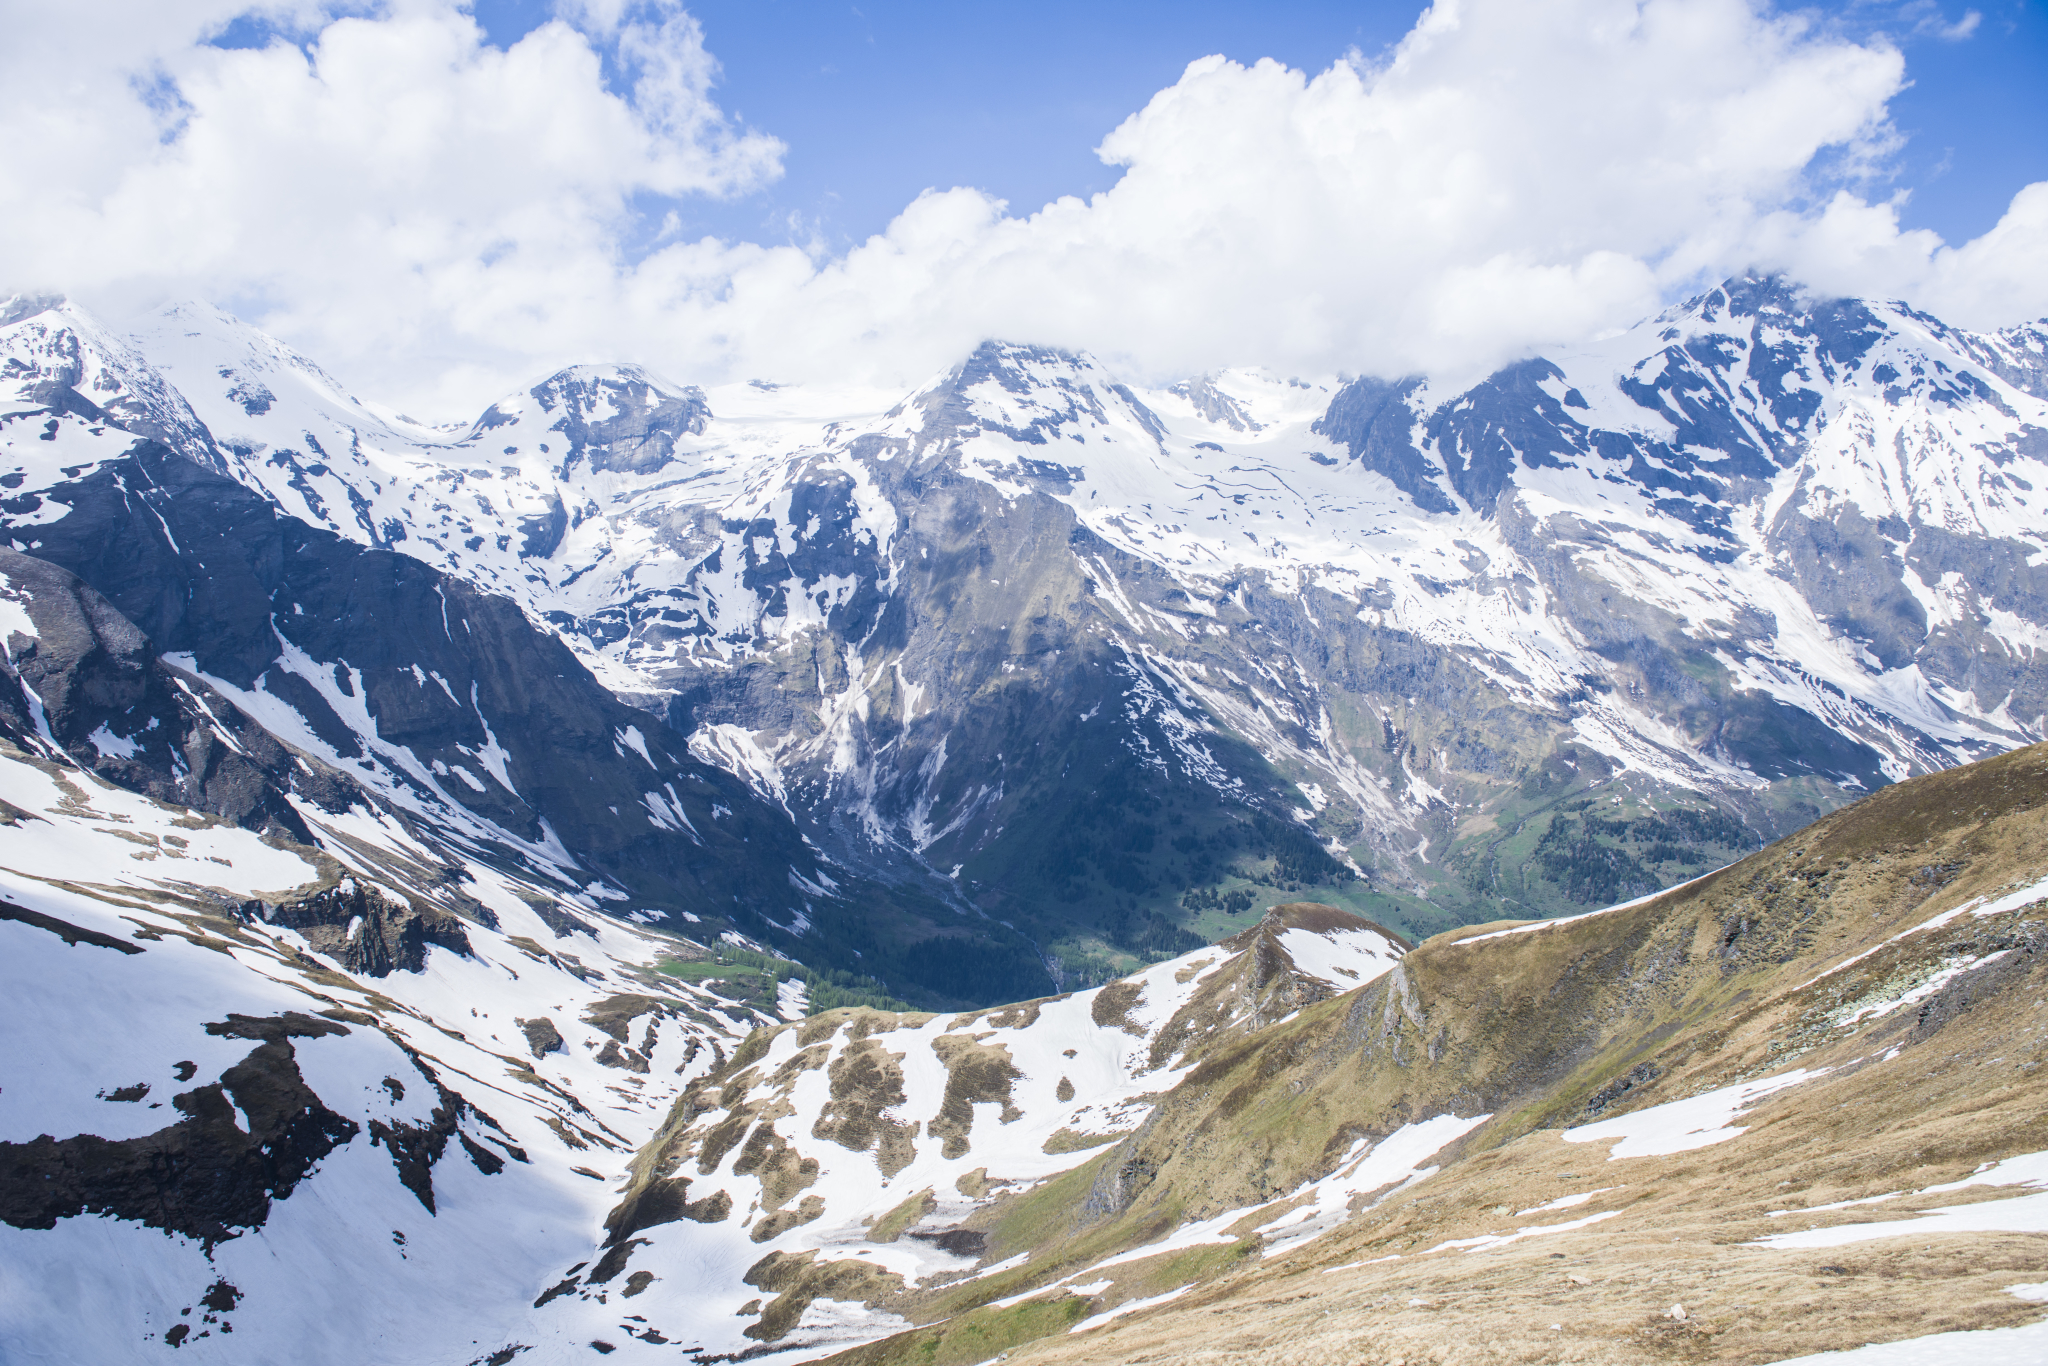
x,y
1344,959
89,831
127,1019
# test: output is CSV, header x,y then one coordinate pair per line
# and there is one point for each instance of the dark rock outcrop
x,y
1371,418
364,930
205,1176
541,1036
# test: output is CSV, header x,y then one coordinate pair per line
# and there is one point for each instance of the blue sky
x,y
439,199
879,101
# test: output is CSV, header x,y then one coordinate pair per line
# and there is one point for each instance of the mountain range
x,y
1065,676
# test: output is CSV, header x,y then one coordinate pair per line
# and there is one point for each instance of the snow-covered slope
x,y
252,1089
861,1141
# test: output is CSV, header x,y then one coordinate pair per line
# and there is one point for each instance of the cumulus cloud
x,y
438,219
389,182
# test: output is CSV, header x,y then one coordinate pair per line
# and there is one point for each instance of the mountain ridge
x,y
1367,642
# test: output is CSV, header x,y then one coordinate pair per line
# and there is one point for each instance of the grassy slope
x,y
1701,987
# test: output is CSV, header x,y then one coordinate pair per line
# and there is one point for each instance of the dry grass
x,y
1736,977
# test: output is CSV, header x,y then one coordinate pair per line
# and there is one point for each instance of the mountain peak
x,y
612,417
1843,328
1030,394
1749,295
60,357
19,307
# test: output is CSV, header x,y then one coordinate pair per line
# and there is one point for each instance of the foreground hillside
x,y
1790,1107
325,1092
1794,1107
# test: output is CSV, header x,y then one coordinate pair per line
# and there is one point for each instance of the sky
x,y
439,202
879,102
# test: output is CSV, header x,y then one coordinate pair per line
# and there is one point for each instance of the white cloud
x,y
437,220
1854,247
395,185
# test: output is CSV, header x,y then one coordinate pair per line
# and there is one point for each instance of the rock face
x,y
384,665
367,932
620,420
81,684
541,1036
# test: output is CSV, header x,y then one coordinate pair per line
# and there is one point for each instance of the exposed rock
x,y
659,1202
773,1224
975,1073
367,932
1372,418
797,1280
961,1242
205,1176
68,932
541,1036
867,1081
781,1169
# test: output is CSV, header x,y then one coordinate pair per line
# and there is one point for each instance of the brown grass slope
x,y
1742,974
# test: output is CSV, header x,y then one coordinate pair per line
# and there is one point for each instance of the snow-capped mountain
x,y
382,685
1106,663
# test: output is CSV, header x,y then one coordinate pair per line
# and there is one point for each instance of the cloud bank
x,y
438,220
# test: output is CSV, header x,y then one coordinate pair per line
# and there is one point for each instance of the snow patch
x,y
1681,1125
